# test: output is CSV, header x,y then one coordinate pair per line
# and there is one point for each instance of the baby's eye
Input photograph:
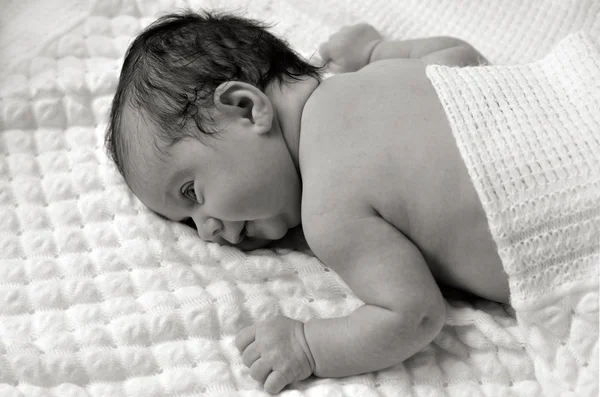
x,y
188,191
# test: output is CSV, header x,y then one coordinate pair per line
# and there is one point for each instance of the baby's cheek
x,y
233,203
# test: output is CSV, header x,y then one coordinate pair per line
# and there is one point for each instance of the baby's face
x,y
239,188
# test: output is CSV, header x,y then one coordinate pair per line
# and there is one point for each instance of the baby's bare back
x,y
394,151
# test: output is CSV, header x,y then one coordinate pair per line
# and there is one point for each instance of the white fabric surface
x,y
99,297
26,25
530,137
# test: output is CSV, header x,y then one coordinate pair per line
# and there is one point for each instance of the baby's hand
x,y
276,352
350,49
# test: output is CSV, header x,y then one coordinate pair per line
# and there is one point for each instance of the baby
x,y
218,122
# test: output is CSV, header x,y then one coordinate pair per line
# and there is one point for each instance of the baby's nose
x,y
211,229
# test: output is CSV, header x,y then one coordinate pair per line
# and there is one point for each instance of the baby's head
x,y
196,133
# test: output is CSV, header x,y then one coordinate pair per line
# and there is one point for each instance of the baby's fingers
x,y
275,382
245,337
250,355
260,370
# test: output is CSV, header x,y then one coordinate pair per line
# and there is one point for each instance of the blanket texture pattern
x,y
101,298
530,136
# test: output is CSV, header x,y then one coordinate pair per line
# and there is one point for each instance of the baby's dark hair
x,y
174,66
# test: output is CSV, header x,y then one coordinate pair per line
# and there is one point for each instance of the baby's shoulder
x,y
345,93
329,97
326,113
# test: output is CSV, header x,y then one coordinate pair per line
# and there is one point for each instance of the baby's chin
x,y
293,239
252,243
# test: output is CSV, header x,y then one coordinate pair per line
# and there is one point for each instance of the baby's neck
x,y
289,99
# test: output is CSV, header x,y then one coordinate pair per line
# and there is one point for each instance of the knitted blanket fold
x,y
530,137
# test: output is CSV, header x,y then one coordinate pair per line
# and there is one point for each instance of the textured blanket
x,y
530,137
99,297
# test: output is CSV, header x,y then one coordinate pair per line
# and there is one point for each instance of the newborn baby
x,y
218,122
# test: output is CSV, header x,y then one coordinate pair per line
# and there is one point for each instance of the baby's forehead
x,y
138,129
142,147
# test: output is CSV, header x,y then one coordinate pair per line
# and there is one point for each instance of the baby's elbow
x,y
427,319
417,326
432,320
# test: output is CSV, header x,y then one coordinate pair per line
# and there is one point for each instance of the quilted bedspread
x,y
101,298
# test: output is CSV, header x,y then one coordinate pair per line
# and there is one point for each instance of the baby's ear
x,y
245,101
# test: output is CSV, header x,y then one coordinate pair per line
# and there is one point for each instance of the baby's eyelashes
x,y
188,191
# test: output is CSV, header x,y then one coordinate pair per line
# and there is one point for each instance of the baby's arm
x,y
353,47
440,50
403,311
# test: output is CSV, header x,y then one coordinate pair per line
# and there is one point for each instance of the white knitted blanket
x,y
99,297
530,137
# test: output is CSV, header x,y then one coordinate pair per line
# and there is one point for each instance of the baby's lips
x,y
241,237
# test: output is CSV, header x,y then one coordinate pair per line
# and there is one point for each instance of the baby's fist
x,y
350,49
276,352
